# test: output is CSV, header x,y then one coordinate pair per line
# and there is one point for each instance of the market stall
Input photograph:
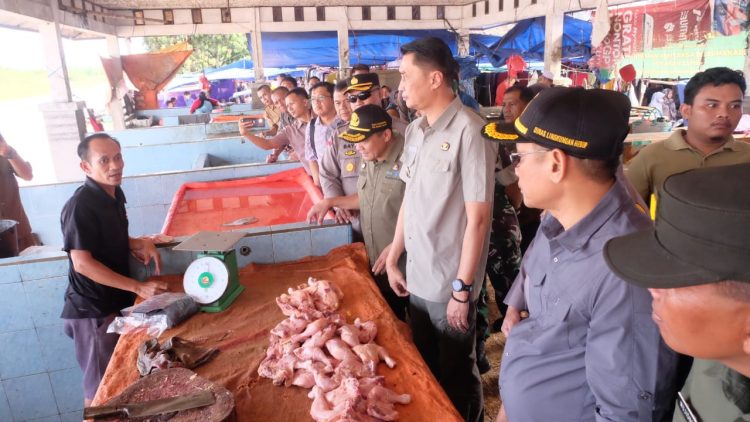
x,y
241,333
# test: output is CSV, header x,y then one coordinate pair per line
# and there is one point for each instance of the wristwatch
x,y
459,286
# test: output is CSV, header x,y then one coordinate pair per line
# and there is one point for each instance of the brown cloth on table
x,y
241,333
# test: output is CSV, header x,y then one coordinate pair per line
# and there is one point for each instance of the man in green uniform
x,y
713,108
695,264
380,192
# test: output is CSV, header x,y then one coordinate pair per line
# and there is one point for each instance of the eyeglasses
x,y
362,96
319,98
515,157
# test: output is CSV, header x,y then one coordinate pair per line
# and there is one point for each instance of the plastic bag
x,y
155,315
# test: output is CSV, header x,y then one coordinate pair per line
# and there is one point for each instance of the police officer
x,y
695,264
379,194
365,89
340,162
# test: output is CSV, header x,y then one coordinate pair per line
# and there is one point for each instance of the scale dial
x,y
206,280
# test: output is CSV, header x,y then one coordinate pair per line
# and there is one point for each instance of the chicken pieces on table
x,y
315,348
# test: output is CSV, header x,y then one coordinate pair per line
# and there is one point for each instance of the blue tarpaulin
x,y
296,49
527,40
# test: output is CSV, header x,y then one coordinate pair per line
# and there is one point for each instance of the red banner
x,y
635,29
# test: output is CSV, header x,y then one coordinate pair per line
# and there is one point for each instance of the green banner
x,y
683,60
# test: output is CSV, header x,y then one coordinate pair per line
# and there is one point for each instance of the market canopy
x,y
527,40
297,49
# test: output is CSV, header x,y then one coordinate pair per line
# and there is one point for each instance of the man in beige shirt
x,y
271,114
713,108
444,221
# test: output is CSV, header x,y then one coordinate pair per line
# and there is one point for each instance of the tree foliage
x,y
208,50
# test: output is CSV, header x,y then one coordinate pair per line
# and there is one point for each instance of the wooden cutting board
x,y
176,382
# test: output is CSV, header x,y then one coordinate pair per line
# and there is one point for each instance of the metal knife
x,y
152,407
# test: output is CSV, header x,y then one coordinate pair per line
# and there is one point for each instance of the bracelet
x,y
459,300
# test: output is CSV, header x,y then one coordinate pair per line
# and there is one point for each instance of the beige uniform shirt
x,y
445,166
654,163
381,192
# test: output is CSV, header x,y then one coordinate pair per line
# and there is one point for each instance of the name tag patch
x,y
394,172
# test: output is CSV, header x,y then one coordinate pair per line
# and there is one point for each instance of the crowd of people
x,y
445,202
603,310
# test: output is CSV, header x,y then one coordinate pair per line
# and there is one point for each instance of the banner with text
x,y
642,28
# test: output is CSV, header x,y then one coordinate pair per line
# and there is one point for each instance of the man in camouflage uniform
x,y
504,256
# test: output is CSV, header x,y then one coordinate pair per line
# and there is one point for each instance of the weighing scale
x,y
212,279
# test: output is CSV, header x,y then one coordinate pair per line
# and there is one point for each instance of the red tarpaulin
x,y
635,29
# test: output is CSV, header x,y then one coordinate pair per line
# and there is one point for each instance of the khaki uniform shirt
x,y
272,115
445,166
654,163
713,392
381,192
10,204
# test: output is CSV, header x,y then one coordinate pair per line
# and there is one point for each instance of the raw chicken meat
x,y
370,354
315,348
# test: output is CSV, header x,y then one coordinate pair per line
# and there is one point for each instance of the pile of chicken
x,y
315,348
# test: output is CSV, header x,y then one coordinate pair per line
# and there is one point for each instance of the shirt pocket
x,y
350,167
554,325
390,187
439,165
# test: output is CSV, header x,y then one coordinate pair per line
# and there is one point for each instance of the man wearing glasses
x,y
589,349
321,128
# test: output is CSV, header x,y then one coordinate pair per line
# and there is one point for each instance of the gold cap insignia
x,y
354,81
354,120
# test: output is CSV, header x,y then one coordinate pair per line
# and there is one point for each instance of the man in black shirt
x,y
95,233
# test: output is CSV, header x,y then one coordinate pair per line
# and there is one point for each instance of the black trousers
x,y
450,354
